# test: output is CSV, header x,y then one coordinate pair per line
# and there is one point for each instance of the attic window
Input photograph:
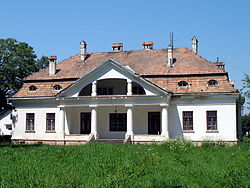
x,y
57,87
182,84
32,88
212,83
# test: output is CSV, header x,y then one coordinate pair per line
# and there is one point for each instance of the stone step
x,y
110,141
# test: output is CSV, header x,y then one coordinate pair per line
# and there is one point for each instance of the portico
x,y
116,120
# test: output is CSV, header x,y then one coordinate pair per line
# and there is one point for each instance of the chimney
x,y
195,45
148,45
117,47
52,65
170,56
83,46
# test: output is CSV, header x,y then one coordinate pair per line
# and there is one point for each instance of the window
x,y
211,120
212,83
32,88
57,87
50,121
8,127
182,84
118,122
30,121
187,120
104,91
138,90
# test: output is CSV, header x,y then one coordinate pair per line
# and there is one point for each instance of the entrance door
x,y
85,123
154,122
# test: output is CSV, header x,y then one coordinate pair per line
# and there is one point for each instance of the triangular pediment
x,y
111,69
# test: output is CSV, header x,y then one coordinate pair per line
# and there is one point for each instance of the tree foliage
x,y
246,93
246,87
246,124
17,61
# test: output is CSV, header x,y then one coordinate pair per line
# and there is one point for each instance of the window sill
x,y
188,131
50,131
212,131
29,131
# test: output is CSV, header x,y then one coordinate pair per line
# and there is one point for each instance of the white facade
x,y
168,111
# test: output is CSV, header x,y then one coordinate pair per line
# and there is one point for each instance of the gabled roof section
x,y
101,70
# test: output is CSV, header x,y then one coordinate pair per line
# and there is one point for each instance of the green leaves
x,y
17,61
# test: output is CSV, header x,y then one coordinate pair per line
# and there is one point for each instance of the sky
x,y
56,27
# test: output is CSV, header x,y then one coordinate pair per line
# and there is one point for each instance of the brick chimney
x,y
195,45
117,47
52,65
170,56
83,46
148,45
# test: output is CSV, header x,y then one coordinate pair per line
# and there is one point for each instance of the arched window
x,y
57,87
137,89
32,88
182,84
86,91
212,83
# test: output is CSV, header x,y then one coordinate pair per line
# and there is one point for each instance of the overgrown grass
x,y
173,164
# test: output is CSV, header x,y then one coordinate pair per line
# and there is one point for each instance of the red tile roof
x,y
151,64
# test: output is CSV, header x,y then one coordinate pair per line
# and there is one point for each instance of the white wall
x,y
5,119
226,119
40,124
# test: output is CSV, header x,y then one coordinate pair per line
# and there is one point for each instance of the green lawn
x,y
172,164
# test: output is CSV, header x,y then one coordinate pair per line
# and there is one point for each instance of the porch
x,y
118,123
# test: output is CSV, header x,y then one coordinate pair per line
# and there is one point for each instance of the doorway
x,y
154,122
85,121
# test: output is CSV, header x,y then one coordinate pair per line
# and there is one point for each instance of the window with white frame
x,y
118,122
30,121
50,121
211,120
188,120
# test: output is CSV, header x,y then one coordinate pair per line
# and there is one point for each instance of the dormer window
x,y
212,83
57,87
32,88
182,84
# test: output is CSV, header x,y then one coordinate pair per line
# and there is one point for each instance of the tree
x,y
17,61
246,87
246,124
246,93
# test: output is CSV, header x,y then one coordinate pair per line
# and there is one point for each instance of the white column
x,y
129,87
94,120
93,89
164,120
62,119
129,120
66,125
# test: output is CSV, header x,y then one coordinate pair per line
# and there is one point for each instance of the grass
x,y
172,164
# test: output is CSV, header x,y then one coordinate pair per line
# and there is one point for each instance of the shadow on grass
x,y
9,144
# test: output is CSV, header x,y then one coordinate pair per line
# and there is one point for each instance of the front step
x,y
110,141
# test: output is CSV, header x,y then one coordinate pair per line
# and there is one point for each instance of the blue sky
x,y
56,27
